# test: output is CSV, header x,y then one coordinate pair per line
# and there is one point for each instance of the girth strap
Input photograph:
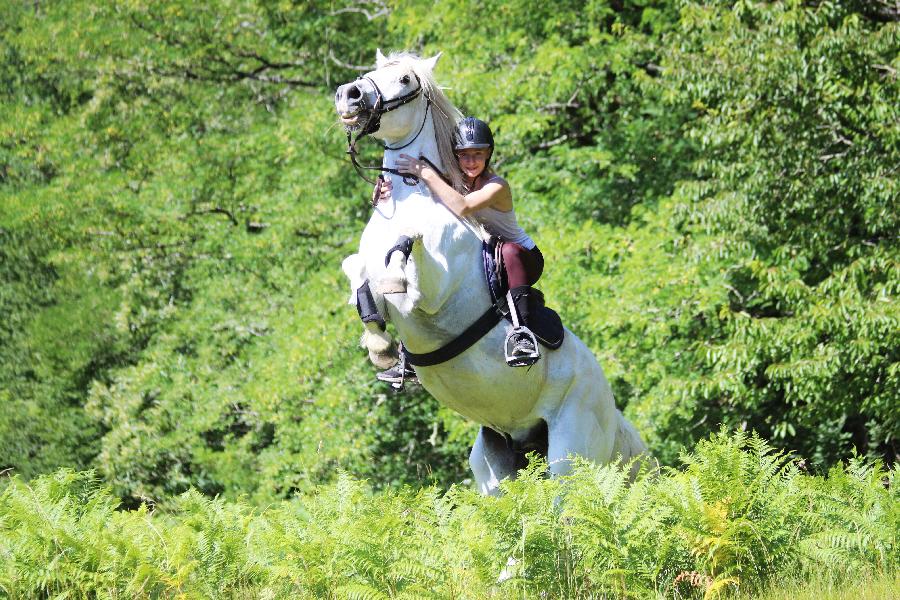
x,y
463,341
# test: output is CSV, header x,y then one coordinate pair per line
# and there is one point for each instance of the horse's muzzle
x,y
352,100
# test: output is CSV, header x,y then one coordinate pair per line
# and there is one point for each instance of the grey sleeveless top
x,y
503,224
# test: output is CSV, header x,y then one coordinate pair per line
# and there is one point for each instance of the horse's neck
x,y
449,286
425,145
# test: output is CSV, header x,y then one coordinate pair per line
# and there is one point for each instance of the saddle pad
x,y
544,323
492,273
547,327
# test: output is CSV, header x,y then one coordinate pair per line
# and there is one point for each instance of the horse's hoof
x,y
511,570
383,360
391,285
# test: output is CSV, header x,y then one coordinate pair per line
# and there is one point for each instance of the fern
x,y
358,591
737,514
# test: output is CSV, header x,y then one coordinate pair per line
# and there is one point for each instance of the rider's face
x,y
472,161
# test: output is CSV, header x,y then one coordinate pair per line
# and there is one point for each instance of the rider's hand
x,y
382,191
413,166
386,187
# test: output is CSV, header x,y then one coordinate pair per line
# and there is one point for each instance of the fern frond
x,y
359,591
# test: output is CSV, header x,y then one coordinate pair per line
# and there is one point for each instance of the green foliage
x,y
796,193
736,515
569,89
713,185
171,276
744,157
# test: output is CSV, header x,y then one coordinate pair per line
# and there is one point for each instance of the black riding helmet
x,y
474,133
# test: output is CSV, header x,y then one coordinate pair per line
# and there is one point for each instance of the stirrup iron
x,y
519,360
398,386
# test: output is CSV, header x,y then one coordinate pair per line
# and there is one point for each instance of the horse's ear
x,y
380,58
430,63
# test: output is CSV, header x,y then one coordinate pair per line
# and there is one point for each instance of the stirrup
x,y
514,359
398,385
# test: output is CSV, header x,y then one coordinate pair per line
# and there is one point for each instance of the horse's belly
x,y
479,384
489,392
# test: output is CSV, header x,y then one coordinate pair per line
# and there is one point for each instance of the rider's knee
x,y
512,252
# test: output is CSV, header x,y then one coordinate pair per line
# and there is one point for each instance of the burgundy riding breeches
x,y
523,267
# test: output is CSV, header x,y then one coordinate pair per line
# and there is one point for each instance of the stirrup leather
x,y
519,360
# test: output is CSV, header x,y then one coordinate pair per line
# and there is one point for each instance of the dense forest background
x,y
714,184
184,409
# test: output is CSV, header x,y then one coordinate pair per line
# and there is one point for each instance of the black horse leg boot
x,y
521,347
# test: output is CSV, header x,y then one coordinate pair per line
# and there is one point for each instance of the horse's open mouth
x,y
354,121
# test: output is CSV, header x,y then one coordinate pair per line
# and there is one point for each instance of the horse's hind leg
x,y
585,425
589,425
491,461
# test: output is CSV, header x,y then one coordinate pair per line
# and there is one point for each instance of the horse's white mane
x,y
444,115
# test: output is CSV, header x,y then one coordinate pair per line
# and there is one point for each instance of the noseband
x,y
381,107
385,106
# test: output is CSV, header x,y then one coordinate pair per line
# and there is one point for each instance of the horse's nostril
x,y
353,93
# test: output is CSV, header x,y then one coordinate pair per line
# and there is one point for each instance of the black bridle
x,y
381,107
385,106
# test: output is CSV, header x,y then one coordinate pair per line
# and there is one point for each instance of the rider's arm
x,y
492,194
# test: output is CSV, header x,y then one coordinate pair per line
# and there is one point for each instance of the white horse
x,y
439,290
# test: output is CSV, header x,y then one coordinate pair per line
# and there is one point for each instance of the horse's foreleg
x,y
394,280
378,343
491,461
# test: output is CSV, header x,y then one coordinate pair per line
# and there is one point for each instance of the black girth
x,y
460,344
473,332
547,325
464,340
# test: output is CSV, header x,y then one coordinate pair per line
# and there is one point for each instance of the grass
x,y
878,587
738,520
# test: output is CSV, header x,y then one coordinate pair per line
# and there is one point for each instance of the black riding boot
x,y
521,345
397,374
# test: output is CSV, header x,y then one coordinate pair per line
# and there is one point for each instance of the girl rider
x,y
488,199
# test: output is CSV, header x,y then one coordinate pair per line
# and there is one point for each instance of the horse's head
x,y
384,102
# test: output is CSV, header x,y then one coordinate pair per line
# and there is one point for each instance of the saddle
x,y
544,322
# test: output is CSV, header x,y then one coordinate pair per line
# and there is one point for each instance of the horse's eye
x,y
404,80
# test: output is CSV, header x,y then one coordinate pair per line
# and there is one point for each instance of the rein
x,y
408,179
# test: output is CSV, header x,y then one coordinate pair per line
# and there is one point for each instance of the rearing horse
x,y
439,291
